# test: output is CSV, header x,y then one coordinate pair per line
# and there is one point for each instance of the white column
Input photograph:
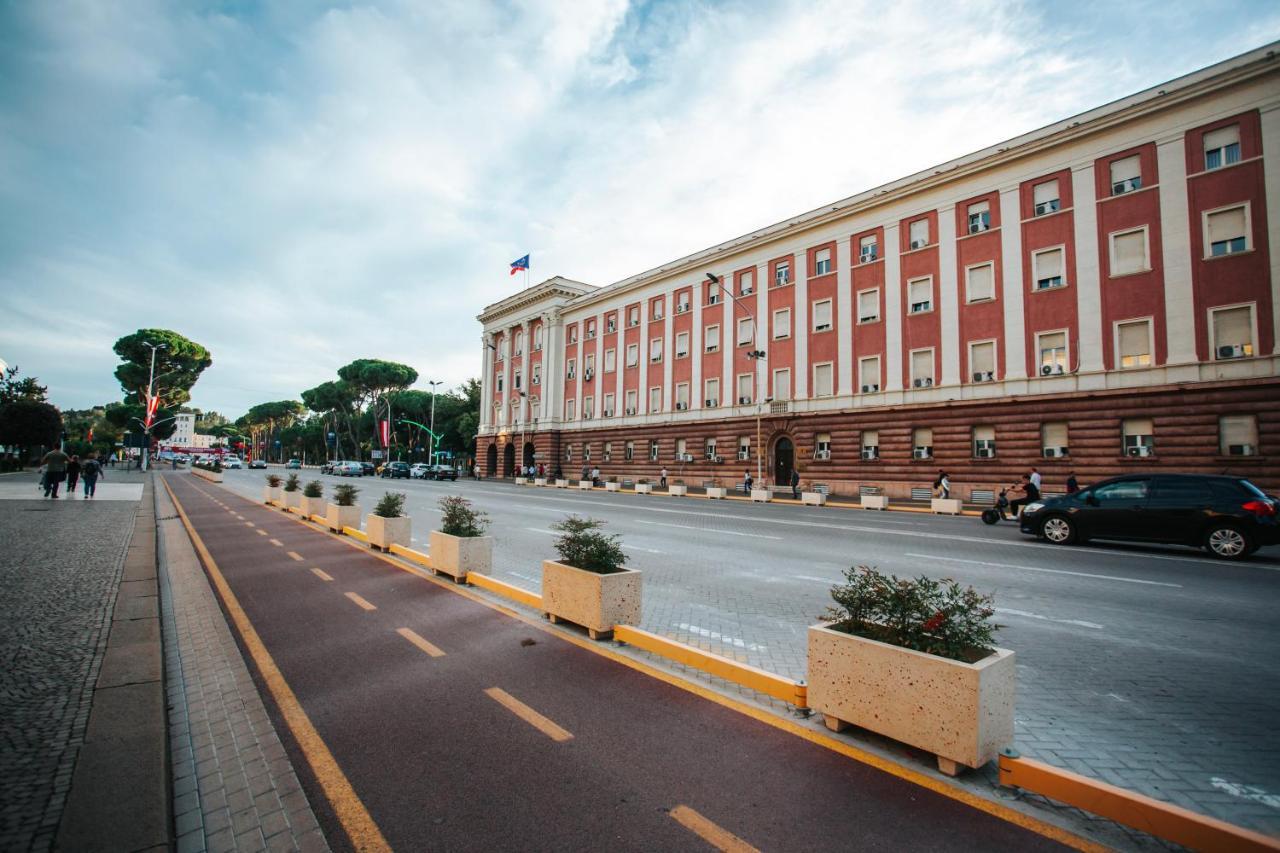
x,y
892,309
1015,341
728,345
1175,237
577,372
845,299
527,372
549,395
803,325
506,377
761,311
1271,184
948,296
486,382
642,401
695,350
619,362
1088,274
665,330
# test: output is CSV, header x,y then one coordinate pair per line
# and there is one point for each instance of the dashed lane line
x,y
1028,615
363,603
1046,571
276,542
262,532
624,545
530,716
709,530
250,524
715,835
295,555
415,638
322,574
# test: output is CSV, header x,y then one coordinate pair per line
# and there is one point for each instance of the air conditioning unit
x,y
711,404
607,413
718,460
822,454
1231,351
1052,370
684,457
588,374
680,309
680,407
917,307
977,227
744,455
1240,450
631,411
742,401
1140,450
983,453
984,376
870,318
866,257
611,326
870,389
925,382
919,244
1046,207
870,453
713,299
922,452
1055,452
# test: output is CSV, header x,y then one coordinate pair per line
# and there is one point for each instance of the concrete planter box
x,y
539,481
678,491
457,555
313,506
520,481
293,500
338,517
584,485
945,506
613,487
813,498
761,495
562,484
596,602
644,488
385,532
717,492
961,712
211,476
875,502
271,494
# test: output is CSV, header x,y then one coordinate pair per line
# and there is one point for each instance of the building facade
x,y
1097,296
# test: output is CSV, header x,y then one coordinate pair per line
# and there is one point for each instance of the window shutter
x,y
1048,191
980,207
1226,225
921,291
984,433
1054,434
922,365
822,314
1049,264
1232,327
782,323
870,438
919,231
923,437
822,380
981,284
1237,430
1134,339
1222,137
867,242
984,358
1138,426
782,384
655,348
1130,252
1123,170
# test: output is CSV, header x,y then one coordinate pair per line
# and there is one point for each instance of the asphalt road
x,y
1153,668
462,728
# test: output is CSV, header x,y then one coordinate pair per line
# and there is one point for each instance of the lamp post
x,y
757,355
431,425
147,425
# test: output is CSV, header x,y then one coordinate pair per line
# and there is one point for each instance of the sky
x,y
296,185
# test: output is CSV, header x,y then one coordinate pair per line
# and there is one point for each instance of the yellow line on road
x,y
276,542
413,637
721,839
295,555
527,714
350,811
322,574
360,601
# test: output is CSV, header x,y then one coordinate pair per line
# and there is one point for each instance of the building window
x,y
1053,439
657,309
631,402
746,283
782,323
1046,268
1222,147
868,249
1046,197
822,315
537,339
610,360
982,361
682,302
744,448
869,374
519,343
868,306
922,368
979,217
653,450
746,331
518,377
870,445
1138,437
984,442
573,334
922,443
537,374
1232,330
1129,252
633,315
980,283
822,385
1226,231
822,262
920,295
822,445
744,388
588,408
568,453
607,453
1238,435
1133,342
712,398
709,448
500,384
711,338
586,452
629,451
682,344
655,349
570,369
591,329
682,447
1052,349
608,405
918,233
633,355
655,400
713,293
589,365
1126,175
782,383
782,273
682,396
568,410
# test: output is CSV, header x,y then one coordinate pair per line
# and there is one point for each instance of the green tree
x,y
177,366
334,400
29,424
12,388
370,379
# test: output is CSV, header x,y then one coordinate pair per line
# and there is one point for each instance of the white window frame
x,y
969,298
653,359
1035,273
1151,342
1222,149
911,311
831,315
1056,202
1253,328
1066,337
607,410
862,374
877,317
1207,247
655,393
913,244
1126,185
631,399
682,396
707,386
814,377
706,333
654,449
980,218
685,352
610,360
751,388
633,316
632,357
933,365
655,308
819,261
995,359
588,407
864,256
751,331
776,373
1146,251
628,450
781,281
746,282
1224,449
784,313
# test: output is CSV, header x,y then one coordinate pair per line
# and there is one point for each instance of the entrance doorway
x,y
491,461
784,460
528,454
509,461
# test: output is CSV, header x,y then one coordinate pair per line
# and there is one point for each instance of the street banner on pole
x,y
386,433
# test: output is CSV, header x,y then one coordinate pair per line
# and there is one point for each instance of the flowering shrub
x,y
938,617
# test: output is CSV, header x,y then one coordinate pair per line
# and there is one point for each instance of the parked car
x,y
443,472
293,463
327,466
230,460
419,470
368,469
396,470
348,469
258,463
1229,517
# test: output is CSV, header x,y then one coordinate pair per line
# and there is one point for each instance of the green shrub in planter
x,y
345,494
273,480
391,505
314,489
582,546
292,484
217,466
459,519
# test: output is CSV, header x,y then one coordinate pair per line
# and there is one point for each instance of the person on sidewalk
x,y
746,482
1035,479
55,471
944,485
73,475
1073,485
90,471
795,484
662,477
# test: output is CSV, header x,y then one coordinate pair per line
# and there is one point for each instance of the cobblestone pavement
x,y
234,787
60,568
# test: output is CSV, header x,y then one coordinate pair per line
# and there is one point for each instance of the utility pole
x,y
431,426
147,424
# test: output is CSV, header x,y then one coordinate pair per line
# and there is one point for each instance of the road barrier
x,y
531,599
410,554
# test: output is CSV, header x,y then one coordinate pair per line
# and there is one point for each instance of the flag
x,y
386,433
520,264
91,435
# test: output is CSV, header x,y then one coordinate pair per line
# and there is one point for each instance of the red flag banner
x,y
386,433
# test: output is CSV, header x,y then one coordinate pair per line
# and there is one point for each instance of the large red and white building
x,y
1097,296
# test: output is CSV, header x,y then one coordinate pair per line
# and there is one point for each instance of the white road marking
x,y
715,635
705,530
523,577
1028,615
812,578
1046,571
1247,792
624,545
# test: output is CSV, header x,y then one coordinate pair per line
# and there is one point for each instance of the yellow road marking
x,y
527,714
360,601
721,839
295,555
348,808
418,641
276,542
261,532
322,574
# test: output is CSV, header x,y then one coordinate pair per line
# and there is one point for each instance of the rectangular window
x,y
537,374
682,447
920,295
822,445
568,410
633,315
1047,269
610,360
607,452
869,374
1053,439
980,283
868,249
979,217
822,315
657,309
1232,330
682,302
746,331
1134,342
918,232
1226,231
782,384
1052,347
868,306
629,451
588,408
1046,197
711,338
1126,175
984,442
712,398
682,344
682,396
922,368
744,448
586,452
655,400
573,334
591,329
653,450
631,399
713,293
782,273
822,384
537,339
709,448
1129,252
782,323
518,377
655,349
1222,147
744,388
982,361
1138,437
922,443
747,283
589,364
608,406
570,369
822,262
500,383
633,355
1238,435
870,445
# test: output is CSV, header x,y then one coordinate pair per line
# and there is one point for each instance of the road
x,y
1151,668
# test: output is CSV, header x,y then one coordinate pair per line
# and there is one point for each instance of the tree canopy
x,y
178,365
29,423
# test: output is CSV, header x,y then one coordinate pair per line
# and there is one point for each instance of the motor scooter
x,y
997,513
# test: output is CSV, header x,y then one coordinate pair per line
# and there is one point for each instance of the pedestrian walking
x,y
662,481
1073,485
585,472
90,471
1034,477
943,485
746,482
73,474
55,471
595,476
795,484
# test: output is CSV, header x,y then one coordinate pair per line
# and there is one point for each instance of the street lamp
x,y
757,355
431,425
147,425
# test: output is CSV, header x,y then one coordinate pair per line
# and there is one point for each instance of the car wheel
x,y
1228,542
1058,529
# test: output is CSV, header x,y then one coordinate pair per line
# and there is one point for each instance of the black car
x,y
1230,517
396,469
442,472
367,469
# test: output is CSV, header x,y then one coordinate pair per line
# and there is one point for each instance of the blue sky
x,y
296,185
